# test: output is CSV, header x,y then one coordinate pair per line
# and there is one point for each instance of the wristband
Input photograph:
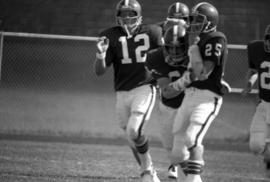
x,y
101,55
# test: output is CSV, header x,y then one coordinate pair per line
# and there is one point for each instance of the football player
x,y
167,64
176,12
259,67
203,96
125,47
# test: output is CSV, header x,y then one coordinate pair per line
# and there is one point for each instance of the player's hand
x,y
102,44
226,88
181,83
193,38
247,89
193,49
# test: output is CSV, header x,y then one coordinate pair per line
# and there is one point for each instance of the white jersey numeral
x,y
140,57
209,48
265,75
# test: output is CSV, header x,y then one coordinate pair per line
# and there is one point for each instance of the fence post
x,y
1,52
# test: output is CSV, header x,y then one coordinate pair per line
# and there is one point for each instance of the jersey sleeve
x,y
156,36
155,64
251,56
213,49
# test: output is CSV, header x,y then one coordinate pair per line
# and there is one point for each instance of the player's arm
x,y
251,78
252,73
181,83
201,69
166,91
100,60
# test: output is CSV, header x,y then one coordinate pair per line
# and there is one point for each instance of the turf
x,y
87,113
59,161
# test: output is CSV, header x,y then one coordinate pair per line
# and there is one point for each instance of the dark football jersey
x,y
259,60
213,47
128,55
159,68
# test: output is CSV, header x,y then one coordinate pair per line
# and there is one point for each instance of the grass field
x,y
64,135
109,161
90,113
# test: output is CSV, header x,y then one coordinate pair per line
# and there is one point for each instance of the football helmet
x,y
178,11
176,45
267,39
129,15
204,18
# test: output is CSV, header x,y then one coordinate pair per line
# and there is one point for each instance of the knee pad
x,y
195,134
180,151
141,144
135,126
189,140
196,153
257,143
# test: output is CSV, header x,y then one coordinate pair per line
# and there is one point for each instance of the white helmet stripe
x,y
177,7
175,30
126,2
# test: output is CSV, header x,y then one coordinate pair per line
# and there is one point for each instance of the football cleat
x,y
172,172
149,176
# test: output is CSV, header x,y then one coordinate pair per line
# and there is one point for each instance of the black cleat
x,y
267,165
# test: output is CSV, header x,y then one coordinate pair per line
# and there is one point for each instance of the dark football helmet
x,y
267,39
176,45
129,15
178,11
204,18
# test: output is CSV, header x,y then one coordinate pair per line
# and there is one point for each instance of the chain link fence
x,y
49,65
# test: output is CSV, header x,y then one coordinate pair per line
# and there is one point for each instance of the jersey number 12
x,y
140,57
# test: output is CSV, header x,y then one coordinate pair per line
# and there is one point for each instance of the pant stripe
x,y
205,124
149,109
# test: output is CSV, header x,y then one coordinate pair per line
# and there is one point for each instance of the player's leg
x,y
260,134
201,118
267,140
258,140
123,113
266,153
143,100
258,131
180,153
166,119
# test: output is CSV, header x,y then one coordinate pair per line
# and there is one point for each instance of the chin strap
x,y
127,31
